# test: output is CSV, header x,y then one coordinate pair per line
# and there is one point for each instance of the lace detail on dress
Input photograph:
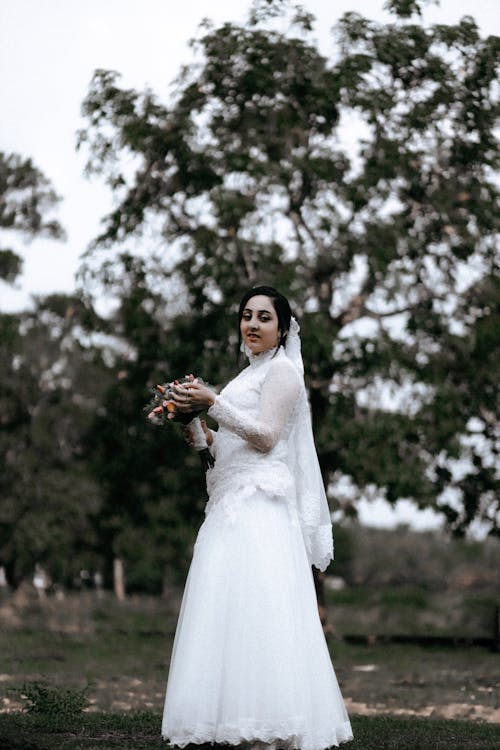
x,y
277,400
256,360
318,536
231,491
255,413
265,441
320,545
289,736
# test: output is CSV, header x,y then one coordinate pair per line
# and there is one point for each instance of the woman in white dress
x,y
250,665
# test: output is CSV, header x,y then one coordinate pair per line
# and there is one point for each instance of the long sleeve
x,y
198,437
278,398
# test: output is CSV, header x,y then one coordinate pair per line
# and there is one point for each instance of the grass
x,y
127,668
123,652
140,731
118,661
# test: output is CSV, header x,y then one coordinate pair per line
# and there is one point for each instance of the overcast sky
x,y
49,50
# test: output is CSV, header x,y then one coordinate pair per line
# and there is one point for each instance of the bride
x,y
250,663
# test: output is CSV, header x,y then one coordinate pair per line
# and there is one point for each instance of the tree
x,y
152,494
388,256
26,198
49,385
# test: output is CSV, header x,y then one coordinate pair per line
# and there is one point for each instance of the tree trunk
x,y
118,579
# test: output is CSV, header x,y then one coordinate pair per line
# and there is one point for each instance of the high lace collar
x,y
256,360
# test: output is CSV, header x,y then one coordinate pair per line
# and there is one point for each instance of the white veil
x,y
312,504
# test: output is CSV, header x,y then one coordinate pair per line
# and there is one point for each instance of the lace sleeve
x,y
277,400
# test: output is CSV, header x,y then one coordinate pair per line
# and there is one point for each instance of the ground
x,y
121,651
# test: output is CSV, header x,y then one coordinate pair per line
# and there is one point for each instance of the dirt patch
x,y
132,694
451,711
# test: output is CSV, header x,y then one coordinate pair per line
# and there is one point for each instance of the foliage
x,y
50,387
27,197
152,494
406,8
10,265
47,387
58,703
389,256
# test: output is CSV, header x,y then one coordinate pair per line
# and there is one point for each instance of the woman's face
x,y
259,324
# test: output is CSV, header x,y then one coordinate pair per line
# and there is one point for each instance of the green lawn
x,y
399,696
141,732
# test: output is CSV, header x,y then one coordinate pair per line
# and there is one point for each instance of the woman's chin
x,y
257,348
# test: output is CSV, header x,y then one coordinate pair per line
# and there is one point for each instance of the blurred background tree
x,y
388,255
49,387
27,196
153,488
387,252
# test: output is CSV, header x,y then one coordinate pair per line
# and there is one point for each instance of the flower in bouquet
x,y
162,406
162,409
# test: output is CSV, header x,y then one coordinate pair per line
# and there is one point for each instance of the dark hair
x,y
280,304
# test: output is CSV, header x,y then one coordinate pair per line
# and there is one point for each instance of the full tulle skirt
x,y
250,661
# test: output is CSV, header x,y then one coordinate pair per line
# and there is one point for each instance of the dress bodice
x,y
265,442
255,412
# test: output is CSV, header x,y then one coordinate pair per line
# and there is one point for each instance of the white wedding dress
x,y
250,662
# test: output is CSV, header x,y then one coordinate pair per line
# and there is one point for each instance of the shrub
x,y
52,700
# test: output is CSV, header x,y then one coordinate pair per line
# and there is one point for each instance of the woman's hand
x,y
188,437
192,397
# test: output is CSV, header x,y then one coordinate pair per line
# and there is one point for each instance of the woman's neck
x,y
258,357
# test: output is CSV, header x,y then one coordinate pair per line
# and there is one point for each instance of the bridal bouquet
x,y
161,409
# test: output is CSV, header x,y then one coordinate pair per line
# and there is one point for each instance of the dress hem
x,y
342,733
